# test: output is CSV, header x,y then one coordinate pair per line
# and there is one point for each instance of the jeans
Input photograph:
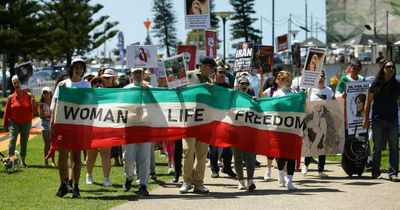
x,y
390,128
321,162
23,130
226,155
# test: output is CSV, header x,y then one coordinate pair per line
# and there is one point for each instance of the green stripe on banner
x,y
215,96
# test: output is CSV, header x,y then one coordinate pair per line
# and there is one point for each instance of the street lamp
x,y
224,16
147,24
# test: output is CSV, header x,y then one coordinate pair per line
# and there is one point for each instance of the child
x,y
45,113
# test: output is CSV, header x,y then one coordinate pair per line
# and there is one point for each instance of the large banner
x,y
104,117
244,57
176,70
211,43
355,101
197,14
141,56
312,67
324,129
189,54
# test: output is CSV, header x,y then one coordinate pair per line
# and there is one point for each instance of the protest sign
x,y
189,55
141,56
211,43
312,67
296,56
243,57
266,57
282,42
176,70
197,14
356,95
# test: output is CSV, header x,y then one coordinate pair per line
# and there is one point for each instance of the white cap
x,y
108,73
78,59
13,78
136,69
47,89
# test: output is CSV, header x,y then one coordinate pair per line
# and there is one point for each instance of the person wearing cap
x,y
110,78
137,154
353,76
105,152
17,118
75,72
194,174
45,115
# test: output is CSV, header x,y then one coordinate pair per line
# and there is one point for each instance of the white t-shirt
x,y
69,84
280,92
317,94
296,83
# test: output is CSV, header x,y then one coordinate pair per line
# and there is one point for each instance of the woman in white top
x,y
75,71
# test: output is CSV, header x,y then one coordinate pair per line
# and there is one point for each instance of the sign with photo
x,y
356,95
266,57
189,55
296,56
312,67
323,129
141,56
282,42
211,43
176,70
243,57
197,14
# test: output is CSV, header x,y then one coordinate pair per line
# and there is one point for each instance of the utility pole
x,y
273,25
306,20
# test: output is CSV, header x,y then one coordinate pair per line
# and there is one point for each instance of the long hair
x,y
362,98
71,68
379,84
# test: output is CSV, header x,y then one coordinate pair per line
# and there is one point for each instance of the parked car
x,y
42,76
57,70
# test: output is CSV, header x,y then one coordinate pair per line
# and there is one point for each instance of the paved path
x,y
336,192
36,130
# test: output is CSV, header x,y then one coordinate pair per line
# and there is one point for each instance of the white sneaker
x,y
289,183
241,185
185,187
281,178
106,182
304,170
323,175
267,175
89,178
171,170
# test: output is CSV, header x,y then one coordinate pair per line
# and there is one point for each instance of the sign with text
x,y
282,42
243,57
197,14
355,101
211,43
266,57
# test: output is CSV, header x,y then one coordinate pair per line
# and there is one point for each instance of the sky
x,y
131,15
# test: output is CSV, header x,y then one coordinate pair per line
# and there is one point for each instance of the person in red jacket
x,y
17,117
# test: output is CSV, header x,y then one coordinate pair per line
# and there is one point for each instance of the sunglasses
x,y
245,83
221,72
389,67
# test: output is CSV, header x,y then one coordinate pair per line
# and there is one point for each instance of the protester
x,y
226,155
45,115
105,153
243,85
316,94
17,118
139,153
353,76
75,71
194,174
102,68
384,95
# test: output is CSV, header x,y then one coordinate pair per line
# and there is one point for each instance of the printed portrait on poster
x,y
141,56
356,98
176,70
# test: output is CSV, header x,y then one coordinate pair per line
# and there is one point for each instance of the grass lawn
x,y
35,187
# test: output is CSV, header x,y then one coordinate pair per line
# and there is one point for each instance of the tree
x,y
241,28
191,37
20,30
73,29
164,24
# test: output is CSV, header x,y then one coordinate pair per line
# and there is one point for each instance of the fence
x,y
37,88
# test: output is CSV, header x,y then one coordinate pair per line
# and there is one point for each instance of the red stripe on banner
x,y
221,134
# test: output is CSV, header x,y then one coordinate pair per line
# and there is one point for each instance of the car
x,y
364,56
42,76
1,78
57,70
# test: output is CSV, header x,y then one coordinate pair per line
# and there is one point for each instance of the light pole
x,y
147,24
224,16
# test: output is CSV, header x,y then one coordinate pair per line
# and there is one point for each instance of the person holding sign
x,y
318,124
353,76
384,94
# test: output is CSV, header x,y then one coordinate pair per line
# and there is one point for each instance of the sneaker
x,y
214,175
323,175
171,170
230,173
62,190
185,187
251,186
143,191
153,176
289,183
69,186
106,182
89,178
175,179
241,185
304,170
127,185
377,177
53,164
200,189
75,193
281,178
394,178
257,164
267,175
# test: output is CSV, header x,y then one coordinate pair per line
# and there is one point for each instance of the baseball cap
x,y
208,61
136,69
46,89
108,73
78,59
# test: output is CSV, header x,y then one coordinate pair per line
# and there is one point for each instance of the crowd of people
x,y
138,159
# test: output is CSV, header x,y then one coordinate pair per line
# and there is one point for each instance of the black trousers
x,y
290,165
178,157
227,159
321,162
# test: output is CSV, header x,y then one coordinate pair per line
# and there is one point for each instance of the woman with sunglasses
x,y
384,94
243,85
